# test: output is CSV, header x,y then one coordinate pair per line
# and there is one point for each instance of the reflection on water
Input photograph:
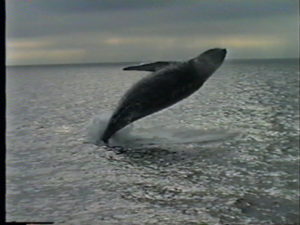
x,y
226,155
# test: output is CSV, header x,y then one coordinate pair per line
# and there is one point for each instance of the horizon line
x,y
133,62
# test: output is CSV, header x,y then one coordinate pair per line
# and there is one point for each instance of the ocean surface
x,y
228,154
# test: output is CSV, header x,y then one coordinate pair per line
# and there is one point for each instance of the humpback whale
x,y
168,83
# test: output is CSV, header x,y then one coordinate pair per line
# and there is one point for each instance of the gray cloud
x,y
134,30
237,7
43,17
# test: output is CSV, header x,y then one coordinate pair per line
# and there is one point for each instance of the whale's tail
x,y
105,138
118,120
112,128
109,131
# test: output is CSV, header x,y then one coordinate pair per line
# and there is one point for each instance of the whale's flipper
x,y
150,66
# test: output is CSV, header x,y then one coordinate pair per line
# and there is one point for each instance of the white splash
x,y
132,136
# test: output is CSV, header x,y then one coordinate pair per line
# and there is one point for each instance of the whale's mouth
x,y
139,137
216,55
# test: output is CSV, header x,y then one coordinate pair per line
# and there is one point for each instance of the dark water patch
x,y
262,206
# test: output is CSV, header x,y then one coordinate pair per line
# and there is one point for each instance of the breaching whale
x,y
169,83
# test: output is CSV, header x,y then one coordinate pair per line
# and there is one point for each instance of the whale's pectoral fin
x,y
150,66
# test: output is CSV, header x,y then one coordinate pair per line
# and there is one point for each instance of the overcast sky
x,y
83,31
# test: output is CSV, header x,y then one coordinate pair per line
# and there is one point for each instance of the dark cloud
x,y
84,6
236,7
27,18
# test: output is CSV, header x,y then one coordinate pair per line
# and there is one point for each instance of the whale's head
x,y
209,61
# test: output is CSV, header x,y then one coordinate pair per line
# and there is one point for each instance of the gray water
x,y
226,155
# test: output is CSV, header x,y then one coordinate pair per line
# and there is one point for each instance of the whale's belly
x,y
157,92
